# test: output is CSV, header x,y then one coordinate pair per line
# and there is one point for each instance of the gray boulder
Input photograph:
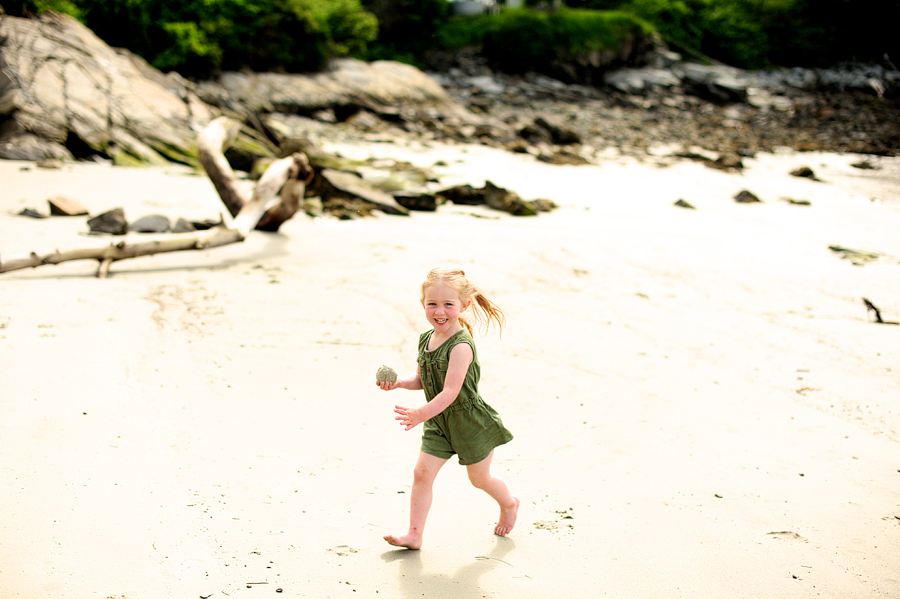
x,y
345,87
112,222
62,87
152,223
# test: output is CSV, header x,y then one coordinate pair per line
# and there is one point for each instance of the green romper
x,y
468,427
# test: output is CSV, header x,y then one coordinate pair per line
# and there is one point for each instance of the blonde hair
x,y
484,310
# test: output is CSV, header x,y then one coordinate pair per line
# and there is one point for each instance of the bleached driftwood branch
x,y
287,175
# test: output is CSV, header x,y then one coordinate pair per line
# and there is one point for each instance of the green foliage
x,y
520,39
460,31
733,35
197,37
406,28
190,50
36,7
674,19
579,31
823,32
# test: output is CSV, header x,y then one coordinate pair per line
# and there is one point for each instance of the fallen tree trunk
x,y
287,175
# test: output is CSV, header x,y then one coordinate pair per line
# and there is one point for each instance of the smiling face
x,y
443,307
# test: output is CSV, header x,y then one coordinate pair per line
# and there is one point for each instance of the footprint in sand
x,y
786,535
343,550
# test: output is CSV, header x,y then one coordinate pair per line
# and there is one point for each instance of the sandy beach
x,y
702,406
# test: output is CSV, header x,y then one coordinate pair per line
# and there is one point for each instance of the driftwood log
x,y
276,198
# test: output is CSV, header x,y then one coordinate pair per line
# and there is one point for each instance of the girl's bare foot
x,y
409,541
507,519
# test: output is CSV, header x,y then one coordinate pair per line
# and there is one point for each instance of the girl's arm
x,y
412,382
460,357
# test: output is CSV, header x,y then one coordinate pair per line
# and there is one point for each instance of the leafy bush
x,y
521,39
197,37
676,20
732,34
460,31
578,31
406,28
518,40
36,7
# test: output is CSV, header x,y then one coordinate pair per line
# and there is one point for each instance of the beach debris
x,y
500,198
203,225
559,523
346,189
865,165
421,201
152,223
682,203
857,257
729,162
112,222
746,197
794,202
464,195
183,226
386,374
805,172
804,390
563,157
787,535
497,198
281,185
32,213
872,309
63,206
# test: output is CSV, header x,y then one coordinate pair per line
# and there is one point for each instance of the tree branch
x,y
287,175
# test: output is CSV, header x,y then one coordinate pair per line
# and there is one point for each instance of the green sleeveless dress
x,y
468,427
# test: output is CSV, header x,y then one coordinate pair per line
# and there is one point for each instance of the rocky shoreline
x,y
853,120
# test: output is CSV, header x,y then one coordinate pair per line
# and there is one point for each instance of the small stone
x,y
154,223
386,374
865,165
183,226
682,203
746,197
63,206
32,213
112,221
204,225
804,171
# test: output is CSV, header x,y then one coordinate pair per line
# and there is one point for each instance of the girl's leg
x,y
480,476
425,472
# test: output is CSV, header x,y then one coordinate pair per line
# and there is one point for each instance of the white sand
x,y
701,407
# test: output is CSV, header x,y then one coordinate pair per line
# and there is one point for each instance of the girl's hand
x,y
388,386
407,417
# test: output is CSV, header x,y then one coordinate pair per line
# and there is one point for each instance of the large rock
x,y
392,90
63,91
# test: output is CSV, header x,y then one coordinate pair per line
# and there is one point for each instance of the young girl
x,y
456,419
